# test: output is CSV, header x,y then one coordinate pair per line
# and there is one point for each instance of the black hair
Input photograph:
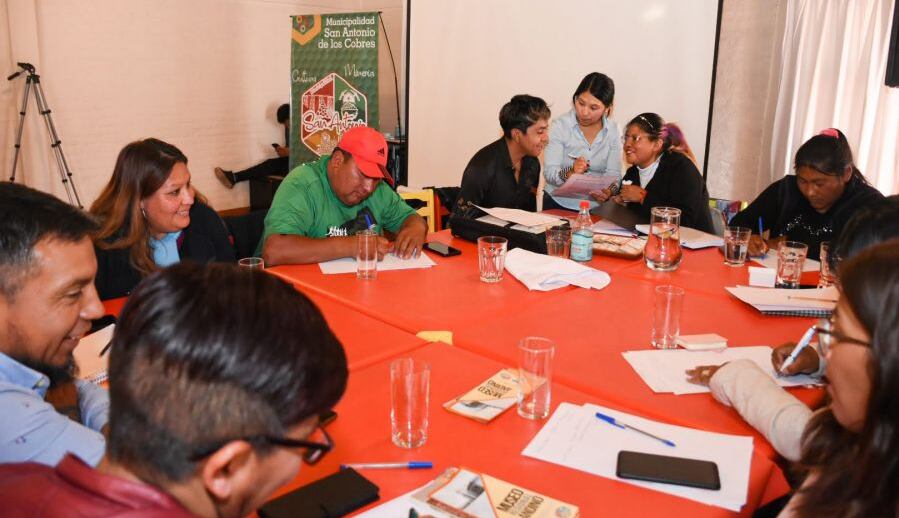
x,y
869,226
204,354
598,85
828,153
856,474
672,136
522,112
28,216
283,114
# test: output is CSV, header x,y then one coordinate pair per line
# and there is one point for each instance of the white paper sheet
x,y
580,185
544,273
782,299
605,226
663,370
576,438
390,262
490,220
692,238
522,217
770,261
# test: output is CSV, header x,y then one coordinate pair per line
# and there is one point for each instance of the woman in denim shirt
x,y
584,140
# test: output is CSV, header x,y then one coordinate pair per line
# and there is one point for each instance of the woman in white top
x,y
850,448
584,140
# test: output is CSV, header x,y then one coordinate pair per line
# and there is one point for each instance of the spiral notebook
x,y
91,364
787,302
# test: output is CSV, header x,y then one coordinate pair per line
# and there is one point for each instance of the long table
x,y
361,433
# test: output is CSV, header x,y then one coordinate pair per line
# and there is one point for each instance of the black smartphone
x,y
441,249
335,495
668,470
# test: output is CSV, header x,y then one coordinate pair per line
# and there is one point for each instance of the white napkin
x,y
543,273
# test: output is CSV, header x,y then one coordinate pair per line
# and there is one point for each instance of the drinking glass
x,y
669,300
251,263
558,241
790,258
826,277
366,254
535,365
409,389
663,250
491,257
736,245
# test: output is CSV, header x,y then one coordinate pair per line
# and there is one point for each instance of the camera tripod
x,y
32,80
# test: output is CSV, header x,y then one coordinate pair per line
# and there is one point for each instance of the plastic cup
x,y
736,245
491,258
366,255
669,300
409,389
535,362
558,242
252,263
790,259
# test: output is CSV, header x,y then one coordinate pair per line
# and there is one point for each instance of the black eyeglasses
x,y
827,337
314,451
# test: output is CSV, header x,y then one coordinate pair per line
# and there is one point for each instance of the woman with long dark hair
x,y
583,141
663,173
151,217
814,204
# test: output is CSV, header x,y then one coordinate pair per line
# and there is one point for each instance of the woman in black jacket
x,y
663,173
152,217
814,204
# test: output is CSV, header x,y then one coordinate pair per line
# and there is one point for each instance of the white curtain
x,y
832,75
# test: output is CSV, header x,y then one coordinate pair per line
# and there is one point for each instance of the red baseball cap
x,y
369,150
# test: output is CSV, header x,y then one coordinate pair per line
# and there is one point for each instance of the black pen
x,y
105,348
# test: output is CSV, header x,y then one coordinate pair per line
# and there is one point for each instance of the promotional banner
x,y
334,80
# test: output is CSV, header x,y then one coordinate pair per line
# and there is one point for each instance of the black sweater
x,y
489,179
204,240
786,212
676,183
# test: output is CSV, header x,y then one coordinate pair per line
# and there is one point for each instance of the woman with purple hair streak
x,y
663,173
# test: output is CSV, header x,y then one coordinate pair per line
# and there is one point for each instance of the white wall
x,y
468,57
205,75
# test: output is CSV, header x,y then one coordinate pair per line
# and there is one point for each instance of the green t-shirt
x,y
305,205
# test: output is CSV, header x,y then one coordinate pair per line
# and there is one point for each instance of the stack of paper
x,y
781,301
522,217
692,238
576,438
390,262
543,273
706,342
762,277
91,364
605,226
664,370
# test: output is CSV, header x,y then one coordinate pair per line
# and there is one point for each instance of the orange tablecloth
x,y
362,434
592,328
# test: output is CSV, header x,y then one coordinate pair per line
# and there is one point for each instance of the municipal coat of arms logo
x,y
330,107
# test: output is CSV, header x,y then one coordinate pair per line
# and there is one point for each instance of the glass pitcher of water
x,y
663,251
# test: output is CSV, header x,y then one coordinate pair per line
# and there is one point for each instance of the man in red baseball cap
x,y
321,205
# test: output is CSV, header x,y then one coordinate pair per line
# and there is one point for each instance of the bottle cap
x,y
585,204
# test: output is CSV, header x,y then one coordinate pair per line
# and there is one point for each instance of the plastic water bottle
x,y
582,235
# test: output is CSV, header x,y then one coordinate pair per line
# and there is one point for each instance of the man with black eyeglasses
x,y
217,378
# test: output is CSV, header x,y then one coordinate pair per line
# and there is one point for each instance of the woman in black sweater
x,y
814,204
152,217
663,173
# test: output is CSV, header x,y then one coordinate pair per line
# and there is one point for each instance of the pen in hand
x,y
803,343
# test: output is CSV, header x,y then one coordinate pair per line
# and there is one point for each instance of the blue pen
x,y
614,422
368,222
803,343
390,465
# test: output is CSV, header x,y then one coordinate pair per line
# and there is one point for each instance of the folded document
x,y
543,273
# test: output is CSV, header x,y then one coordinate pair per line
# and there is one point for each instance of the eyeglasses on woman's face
x,y
829,337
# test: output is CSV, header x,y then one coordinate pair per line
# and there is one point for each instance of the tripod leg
x,y
65,173
18,144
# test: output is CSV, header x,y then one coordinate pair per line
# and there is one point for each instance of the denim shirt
x,y
31,430
165,250
566,138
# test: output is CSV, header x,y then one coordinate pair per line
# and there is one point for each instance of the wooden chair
x,y
427,210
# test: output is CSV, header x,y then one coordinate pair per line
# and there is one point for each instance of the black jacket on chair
x,y
204,240
676,183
